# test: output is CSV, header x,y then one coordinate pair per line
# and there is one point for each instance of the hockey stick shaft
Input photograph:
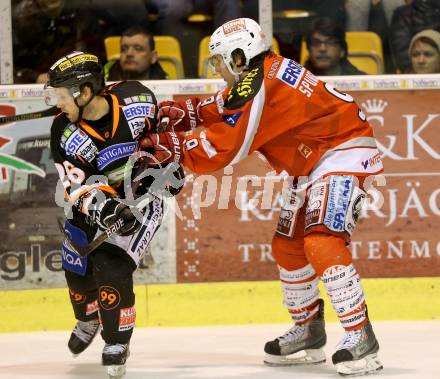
x,y
29,116
83,251
111,230
114,228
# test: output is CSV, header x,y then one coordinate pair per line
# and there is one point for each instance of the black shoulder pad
x,y
132,91
245,89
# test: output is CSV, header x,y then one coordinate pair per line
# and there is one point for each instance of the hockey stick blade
x,y
86,250
29,116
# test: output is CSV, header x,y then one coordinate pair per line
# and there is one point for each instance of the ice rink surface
x,y
408,350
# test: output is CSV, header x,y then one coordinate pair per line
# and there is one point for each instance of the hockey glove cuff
x,y
183,115
163,148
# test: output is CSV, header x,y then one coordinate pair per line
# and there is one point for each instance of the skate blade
x,y
304,357
368,365
116,371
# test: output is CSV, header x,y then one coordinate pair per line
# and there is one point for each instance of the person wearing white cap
x,y
424,52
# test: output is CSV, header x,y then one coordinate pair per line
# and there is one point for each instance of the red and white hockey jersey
x,y
300,124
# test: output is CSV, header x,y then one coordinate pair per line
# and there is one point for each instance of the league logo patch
x,y
232,119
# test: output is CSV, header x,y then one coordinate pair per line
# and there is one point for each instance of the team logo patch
x,y
290,72
109,297
232,119
304,150
127,318
115,152
135,110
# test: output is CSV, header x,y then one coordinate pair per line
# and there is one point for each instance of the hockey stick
x,y
29,116
114,228
86,250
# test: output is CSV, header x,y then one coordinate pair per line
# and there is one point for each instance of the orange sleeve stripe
x,y
115,105
103,188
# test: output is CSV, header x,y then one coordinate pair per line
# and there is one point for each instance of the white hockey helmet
x,y
242,33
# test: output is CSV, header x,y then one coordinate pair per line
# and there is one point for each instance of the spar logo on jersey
x,y
232,119
139,110
290,72
115,152
340,188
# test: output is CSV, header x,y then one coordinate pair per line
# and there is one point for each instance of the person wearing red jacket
x,y
321,139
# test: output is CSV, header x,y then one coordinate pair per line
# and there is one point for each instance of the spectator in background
x,y
328,50
360,12
172,19
424,52
115,16
46,30
374,16
171,13
408,20
138,61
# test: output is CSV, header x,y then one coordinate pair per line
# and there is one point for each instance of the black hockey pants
x,y
107,286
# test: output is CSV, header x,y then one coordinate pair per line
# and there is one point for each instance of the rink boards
x,y
397,245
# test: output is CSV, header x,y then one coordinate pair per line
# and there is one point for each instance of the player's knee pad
x,y
288,252
324,250
300,292
333,205
343,285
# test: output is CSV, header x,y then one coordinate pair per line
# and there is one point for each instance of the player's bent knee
x,y
288,253
324,250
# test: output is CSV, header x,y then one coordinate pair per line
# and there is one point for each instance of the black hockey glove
x,y
114,210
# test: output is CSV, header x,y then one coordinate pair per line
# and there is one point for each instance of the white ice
x,y
408,350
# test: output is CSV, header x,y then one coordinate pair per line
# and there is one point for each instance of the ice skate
x,y
82,336
307,340
114,357
357,353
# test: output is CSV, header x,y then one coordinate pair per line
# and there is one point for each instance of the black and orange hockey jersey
x,y
84,149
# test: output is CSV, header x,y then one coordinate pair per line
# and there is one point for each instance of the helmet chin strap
x,y
81,107
236,75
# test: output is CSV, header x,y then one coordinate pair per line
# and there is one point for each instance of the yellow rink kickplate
x,y
219,304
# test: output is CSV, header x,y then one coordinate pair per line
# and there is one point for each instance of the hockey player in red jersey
x,y
307,129
92,140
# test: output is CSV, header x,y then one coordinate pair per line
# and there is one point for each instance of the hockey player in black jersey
x,y
92,139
